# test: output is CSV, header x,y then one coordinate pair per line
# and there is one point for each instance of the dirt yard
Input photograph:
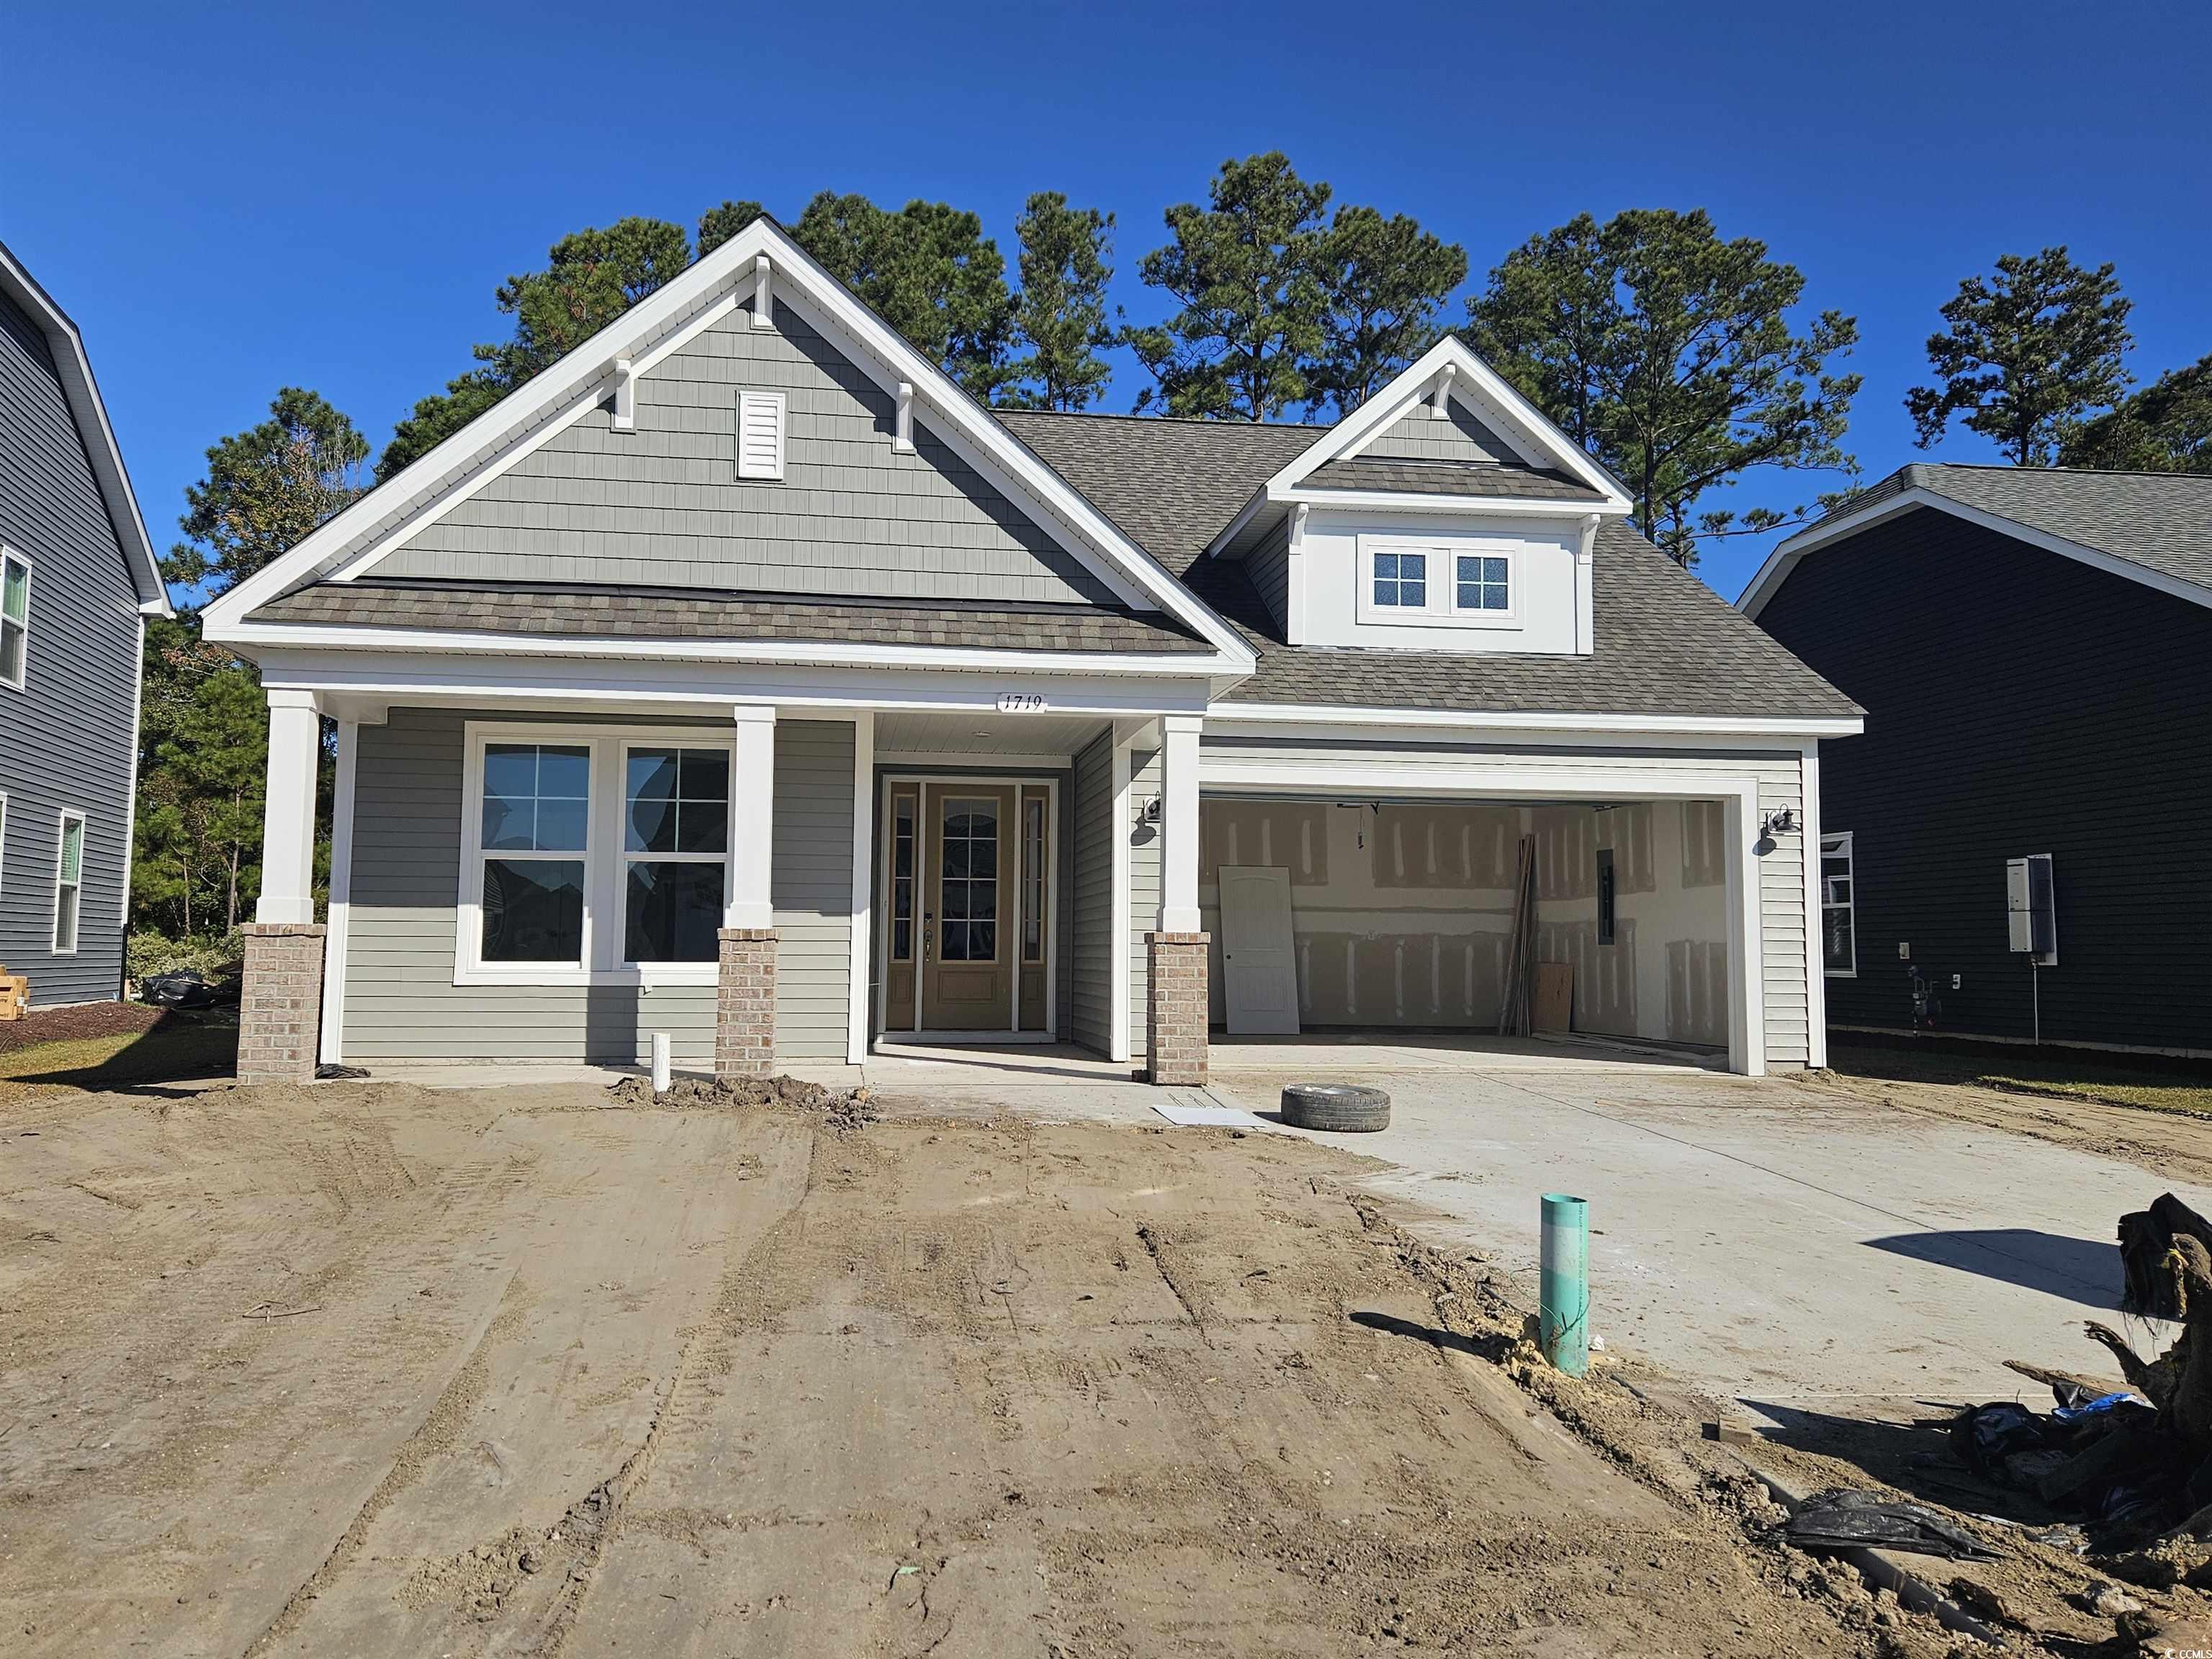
x,y
368,1370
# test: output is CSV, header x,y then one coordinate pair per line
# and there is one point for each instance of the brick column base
x,y
744,1003
1175,1008
280,1008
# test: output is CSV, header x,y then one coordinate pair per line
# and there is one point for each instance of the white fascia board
x,y
1272,719
74,369
1517,506
455,642
573,684
1780,563
656,326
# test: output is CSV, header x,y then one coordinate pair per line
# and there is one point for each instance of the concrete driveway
x,y
1771,1241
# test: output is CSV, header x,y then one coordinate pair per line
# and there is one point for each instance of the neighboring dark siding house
x,y
2033,650
78,579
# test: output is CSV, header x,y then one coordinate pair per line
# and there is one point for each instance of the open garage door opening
x,y
1401,913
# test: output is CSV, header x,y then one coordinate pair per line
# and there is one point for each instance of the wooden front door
x,y
968,933
966,875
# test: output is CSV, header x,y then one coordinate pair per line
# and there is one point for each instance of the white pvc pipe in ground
x,y
663,1066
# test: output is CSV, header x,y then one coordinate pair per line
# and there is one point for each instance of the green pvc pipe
x,y
1563,1283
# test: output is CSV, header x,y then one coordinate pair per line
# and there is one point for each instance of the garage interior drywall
x,y
1401,911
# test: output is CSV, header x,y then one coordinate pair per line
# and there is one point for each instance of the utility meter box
x,y
2032,908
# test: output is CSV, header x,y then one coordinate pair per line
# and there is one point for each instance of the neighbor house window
x,y
675,837
15,617
1401,580
68,882
535,834
1483,582
1838,940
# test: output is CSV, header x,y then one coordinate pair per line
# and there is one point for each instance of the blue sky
x,y
232,198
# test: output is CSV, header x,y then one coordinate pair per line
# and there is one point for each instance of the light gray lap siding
x,y
663,505
401,1002
1145,781
812,886
1417,436
1091,816
65,739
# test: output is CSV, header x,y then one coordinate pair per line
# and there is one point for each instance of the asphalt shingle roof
x,y
2160,520
685,613
1449,479
1666,644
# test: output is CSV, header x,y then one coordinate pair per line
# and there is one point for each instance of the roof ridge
x,y
1314,427
2069,471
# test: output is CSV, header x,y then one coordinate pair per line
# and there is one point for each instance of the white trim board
x,y
1785,558
575,384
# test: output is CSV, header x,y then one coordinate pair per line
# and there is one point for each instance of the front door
x,y
967,958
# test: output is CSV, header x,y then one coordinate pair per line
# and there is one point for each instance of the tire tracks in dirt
x,y
436,1436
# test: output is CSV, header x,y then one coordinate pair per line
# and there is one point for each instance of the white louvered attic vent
x,y
760,434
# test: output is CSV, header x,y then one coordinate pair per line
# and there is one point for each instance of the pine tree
x,y
1060,312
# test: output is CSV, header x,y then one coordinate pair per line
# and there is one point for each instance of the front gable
x,y
866,475
662,504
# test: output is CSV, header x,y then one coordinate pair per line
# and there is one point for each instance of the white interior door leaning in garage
x,y
1259,966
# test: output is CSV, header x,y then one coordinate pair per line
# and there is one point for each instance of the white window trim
x,y
775,399
3,842
15,555
1836,843
83,849
604,875
1442,610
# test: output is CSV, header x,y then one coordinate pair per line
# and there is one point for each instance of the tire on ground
x,y
1342,1108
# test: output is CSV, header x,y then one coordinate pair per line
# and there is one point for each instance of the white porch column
x,y
1179,823
288,826
864,874
752,819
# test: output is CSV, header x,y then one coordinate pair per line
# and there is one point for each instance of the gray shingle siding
x,y
401,1002
65,739
663,505
1418,436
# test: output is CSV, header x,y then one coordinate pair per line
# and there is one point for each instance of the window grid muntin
x,y
1483,582
1400,579
968,933
700,786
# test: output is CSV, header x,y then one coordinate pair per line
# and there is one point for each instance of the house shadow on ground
x,y
174,1045
2079,1270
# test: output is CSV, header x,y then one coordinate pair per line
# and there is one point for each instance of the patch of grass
x,y
173,1048
2073,1077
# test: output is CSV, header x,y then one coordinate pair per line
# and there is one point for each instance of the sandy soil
x,y
367,1369
2174,1146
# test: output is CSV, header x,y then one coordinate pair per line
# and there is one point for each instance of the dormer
x,y
1447,513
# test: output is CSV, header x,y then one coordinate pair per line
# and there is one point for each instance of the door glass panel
x,y
1033,879
903,879
967,888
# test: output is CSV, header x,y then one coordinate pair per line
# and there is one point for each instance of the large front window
x,y
593,854
537,824
676,826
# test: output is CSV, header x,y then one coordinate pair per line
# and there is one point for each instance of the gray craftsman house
x,y
77,579
740,678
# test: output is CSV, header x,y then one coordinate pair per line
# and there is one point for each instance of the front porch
x,y
516,886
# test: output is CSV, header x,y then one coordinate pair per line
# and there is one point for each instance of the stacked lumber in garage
x,y
1519,991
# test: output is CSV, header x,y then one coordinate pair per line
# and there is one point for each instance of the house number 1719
x,y
1021,702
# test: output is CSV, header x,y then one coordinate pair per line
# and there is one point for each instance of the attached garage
x,y
1402,911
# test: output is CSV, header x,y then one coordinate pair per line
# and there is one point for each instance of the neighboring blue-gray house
x,y
78,579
